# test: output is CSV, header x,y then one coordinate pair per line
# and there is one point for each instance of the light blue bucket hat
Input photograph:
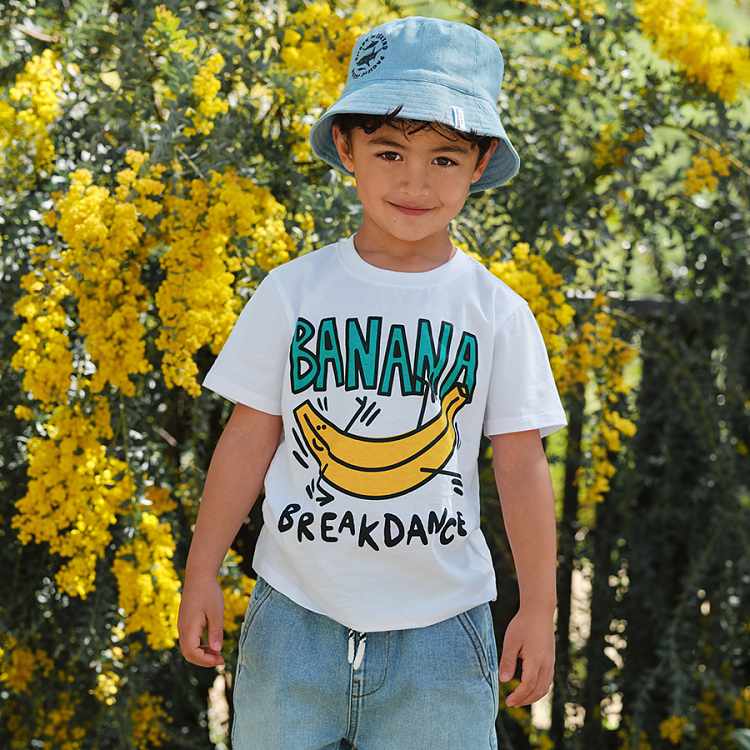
x,y
436,71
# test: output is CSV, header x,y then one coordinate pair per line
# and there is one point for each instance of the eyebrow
x,y
449,147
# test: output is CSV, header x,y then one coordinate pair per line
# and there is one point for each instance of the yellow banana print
x,y
379,468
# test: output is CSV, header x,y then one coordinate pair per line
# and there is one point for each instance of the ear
x,y
343,146
485,160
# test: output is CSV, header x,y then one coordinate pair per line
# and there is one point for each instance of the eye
x,y
444,161
389,156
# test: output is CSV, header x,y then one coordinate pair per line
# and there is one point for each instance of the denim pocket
x,y
477,624
261,591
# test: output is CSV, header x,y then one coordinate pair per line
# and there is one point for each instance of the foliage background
x,y
153,166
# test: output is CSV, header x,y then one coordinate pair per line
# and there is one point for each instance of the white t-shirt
x,y
384,381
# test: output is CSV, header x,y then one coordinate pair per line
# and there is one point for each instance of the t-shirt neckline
x,y
360,267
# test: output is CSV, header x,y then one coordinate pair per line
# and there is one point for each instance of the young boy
x,y
363,375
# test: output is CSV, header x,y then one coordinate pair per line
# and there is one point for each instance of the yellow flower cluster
x,y
206,86
683,33
147,717
236,589
532,277
159,500
596,355
673,729
196,302
58,728
18,665
576,353
104,258
318,44
166,30
43,341
101,269
23,131
74,492
316,50
702,175
108,684
149,586
587,9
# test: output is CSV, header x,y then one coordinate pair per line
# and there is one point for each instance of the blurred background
x,y
154,167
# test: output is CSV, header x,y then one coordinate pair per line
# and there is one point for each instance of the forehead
x,y
432,137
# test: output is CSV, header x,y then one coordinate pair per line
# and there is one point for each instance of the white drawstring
x,y
356,661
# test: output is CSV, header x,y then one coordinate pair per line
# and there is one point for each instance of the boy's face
x,y
411,187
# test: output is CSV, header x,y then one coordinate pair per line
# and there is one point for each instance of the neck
x,y
405,256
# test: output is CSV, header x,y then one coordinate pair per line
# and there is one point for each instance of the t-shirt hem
x,y
292,592
238,395
545,423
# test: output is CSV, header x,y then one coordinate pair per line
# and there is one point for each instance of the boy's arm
x,y
233,483
525,489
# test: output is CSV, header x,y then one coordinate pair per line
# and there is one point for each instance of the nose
x,y
414,180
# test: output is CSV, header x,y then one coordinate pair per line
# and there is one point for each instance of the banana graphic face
x,y
380,468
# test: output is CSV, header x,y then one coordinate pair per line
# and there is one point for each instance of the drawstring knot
x,y
356,661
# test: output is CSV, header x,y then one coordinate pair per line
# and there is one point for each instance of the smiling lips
x,y
411,210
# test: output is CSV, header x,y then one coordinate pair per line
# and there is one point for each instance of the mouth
x,y
411,210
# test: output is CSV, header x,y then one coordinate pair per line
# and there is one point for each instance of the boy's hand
x,y
202,607
530,637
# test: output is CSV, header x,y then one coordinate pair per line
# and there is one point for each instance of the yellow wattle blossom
x,y
57,726
196,302
147,718
682,32
529,275
33,104
159,500
100,268
44,354
74,492
19,665
236,590
673,729
315,53
149,586
108,683
317,47
206,86
702,173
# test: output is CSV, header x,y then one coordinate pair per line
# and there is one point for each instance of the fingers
x,y
508,660
191,623
536,681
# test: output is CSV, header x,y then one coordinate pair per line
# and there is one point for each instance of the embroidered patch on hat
x,y
458,118
370,55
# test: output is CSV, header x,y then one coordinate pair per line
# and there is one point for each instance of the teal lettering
x,y
465,364
362,354
396,357
429,363
329,351
300,357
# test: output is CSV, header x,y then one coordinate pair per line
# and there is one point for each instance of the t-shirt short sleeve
x,y
522,395
250,367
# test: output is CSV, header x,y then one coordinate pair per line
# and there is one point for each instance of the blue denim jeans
x,y
426,688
